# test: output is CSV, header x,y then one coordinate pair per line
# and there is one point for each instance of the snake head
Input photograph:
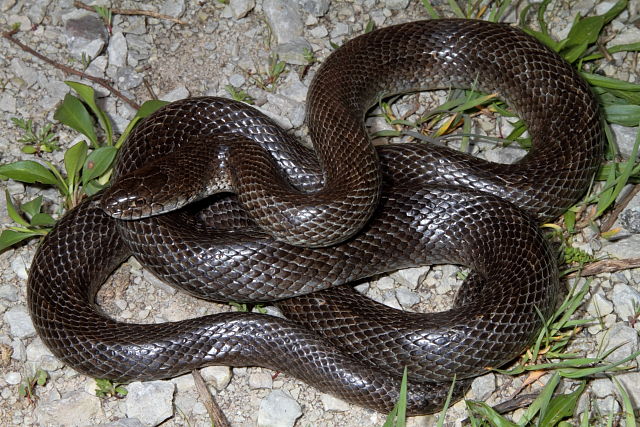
x,y
139,194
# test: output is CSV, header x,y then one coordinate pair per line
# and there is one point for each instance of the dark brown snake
x,y
437,206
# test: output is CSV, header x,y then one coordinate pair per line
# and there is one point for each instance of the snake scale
x,y
288,224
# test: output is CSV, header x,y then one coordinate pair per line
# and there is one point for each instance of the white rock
x,y
117,50
599,306
76,409
625,138
13,378
9,293
411,277
483,386
284,19
176,94
260,380
333,404
625,341
626,300
602,387
319,32
150,402
218,375
407,298
240,8
631,383
19,266
396,4
39,355
8,103
19,322
278,409
173,8
624,248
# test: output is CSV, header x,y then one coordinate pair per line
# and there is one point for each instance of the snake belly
x,y
436,206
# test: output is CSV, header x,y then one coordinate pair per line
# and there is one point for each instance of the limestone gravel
x,y
230,44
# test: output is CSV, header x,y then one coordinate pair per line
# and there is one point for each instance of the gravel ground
x,y
224,45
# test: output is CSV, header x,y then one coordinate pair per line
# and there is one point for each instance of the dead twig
x,y
150,13
606,266
613,216
215,413
68,70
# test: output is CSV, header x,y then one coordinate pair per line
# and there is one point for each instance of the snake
x,y
214,198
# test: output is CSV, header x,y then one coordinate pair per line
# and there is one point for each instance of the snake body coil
x,y
305,221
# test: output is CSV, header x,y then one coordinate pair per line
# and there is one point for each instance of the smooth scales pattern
x,y
304,221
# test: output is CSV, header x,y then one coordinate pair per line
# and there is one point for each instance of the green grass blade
x,y
629,417
609,83
541,402
447,402
430,9
456,9
615,10
561,407
620,181
486,412
585,372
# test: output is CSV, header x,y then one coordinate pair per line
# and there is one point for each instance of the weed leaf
x,y
28,171
88,96
74,114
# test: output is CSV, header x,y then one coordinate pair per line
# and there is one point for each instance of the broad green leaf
x,y
32,207
97,163
150,107
9,238
28,149
624,95
585,31
484,411
74,158
42,219
574,52
625,115
570,220
74,114
28,171
13,212
92,187
561,407
544,39
88,96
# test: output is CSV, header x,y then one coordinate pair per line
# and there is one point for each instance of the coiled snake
x,y
305,221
